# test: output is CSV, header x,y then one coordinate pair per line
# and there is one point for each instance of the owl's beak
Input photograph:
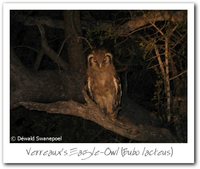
x,y
100,65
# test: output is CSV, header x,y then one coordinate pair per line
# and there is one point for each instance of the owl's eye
x,y
94,60
106,59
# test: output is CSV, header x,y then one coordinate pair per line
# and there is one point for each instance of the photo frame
x,y
51,150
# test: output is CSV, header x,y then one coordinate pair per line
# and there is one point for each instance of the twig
x,y
160,61
152,67
167,79
38,59
24,46
172,78
157,28
62,47
83,38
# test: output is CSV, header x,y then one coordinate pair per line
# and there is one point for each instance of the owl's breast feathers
x,y
104,84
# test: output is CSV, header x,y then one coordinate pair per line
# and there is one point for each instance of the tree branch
x,y
172,78
152,17
33,21
91,111
50,52
160,61
123,30
38,59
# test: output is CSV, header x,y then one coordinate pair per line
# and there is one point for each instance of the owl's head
x,y
99,59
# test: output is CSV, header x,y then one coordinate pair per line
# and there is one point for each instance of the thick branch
x,y
91,112
50,52
42,86
152,17
123,30
32,21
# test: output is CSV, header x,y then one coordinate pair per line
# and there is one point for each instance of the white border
x,y
16,153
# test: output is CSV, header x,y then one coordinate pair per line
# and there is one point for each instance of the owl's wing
x,y
118,90
89,86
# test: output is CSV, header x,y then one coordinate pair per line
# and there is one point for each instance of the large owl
x,y
103,84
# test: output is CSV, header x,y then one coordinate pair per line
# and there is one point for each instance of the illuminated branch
x,y
160,61
90,111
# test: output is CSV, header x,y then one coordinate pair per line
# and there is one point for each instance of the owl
x,y
103,84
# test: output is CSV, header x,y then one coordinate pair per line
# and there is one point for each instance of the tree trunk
x,y
43,86
72,28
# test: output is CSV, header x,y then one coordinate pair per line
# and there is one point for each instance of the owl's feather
x,y
89,87
118,89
